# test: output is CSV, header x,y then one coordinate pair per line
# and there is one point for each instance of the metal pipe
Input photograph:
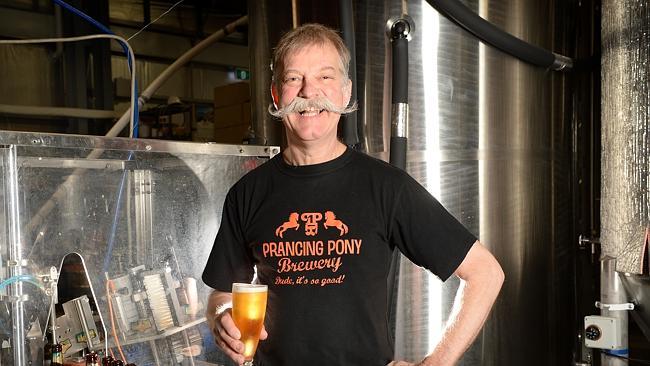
x,y
169,71
349,121
612,292
15,255
294,14
53,316
267,131
56,111
625,163
458,13
84,322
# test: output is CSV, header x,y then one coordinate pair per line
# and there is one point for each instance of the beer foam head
x,y
248,287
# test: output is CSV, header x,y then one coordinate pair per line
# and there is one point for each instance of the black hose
x,y
399,31
400,84
398,152
458,13
349,122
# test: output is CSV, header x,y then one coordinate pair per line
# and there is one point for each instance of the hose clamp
x,y
399,120
615,307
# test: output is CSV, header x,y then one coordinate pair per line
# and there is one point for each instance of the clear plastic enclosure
x,y
113,235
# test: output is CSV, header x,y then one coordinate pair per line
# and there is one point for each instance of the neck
x,y
306,154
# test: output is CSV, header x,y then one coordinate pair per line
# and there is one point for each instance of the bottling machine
x,y
103,240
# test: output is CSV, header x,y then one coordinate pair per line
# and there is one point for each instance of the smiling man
x,y
318,225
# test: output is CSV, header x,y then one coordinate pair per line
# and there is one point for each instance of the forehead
x,y
313,56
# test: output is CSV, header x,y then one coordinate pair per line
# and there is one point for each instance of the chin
x,y
309,136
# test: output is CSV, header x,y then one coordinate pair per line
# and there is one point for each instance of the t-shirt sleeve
x,y
426,233
230,260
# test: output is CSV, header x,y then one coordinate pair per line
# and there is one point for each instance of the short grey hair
x,y
303,36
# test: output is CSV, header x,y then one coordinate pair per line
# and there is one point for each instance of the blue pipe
x,y
92,21
107,30
118,205
21,278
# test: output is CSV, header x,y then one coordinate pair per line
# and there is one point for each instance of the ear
x,y
274,96
347,92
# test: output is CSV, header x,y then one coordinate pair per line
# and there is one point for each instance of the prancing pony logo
x,y
311,220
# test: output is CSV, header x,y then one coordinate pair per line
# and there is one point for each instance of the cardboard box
x,y
229,116
229,94
246,111
231,134
232,115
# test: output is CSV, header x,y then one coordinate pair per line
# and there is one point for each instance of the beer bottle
x,y
118,363
92,359
57,355
107,361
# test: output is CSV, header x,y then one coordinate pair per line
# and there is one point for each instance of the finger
x,y
223,341
238,358
229,325
230,343
229,333
264,334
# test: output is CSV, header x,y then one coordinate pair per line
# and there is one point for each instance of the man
x,y
319,223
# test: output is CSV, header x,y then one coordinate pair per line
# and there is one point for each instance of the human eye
x,y
292,79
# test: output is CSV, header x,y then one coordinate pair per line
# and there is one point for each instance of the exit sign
x,y
242,74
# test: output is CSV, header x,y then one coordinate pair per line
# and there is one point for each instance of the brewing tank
x,y
487,137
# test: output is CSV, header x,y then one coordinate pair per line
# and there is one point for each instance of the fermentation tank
x,y
489,138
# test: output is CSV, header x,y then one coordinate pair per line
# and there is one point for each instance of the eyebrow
x,y
325,68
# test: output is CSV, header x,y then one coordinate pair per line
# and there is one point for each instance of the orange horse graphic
x,y
331,221
291,224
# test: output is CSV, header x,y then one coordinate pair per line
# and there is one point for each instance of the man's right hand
x,y
226,335
225,332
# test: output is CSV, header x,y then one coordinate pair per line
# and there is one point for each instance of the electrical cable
x,y
645,362
112,316
94,22
116,216
134,104
155,20
133,132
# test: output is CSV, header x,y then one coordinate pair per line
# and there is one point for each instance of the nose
x,y
309,89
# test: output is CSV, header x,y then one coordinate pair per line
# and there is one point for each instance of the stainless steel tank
x,y
487,139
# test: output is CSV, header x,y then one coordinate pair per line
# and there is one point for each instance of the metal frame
x,y
108,143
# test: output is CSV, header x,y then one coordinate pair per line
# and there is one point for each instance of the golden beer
x,y
248,309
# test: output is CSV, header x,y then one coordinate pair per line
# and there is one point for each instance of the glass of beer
x,y
248,309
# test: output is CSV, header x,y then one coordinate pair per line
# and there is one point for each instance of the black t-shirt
x,y
321,237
